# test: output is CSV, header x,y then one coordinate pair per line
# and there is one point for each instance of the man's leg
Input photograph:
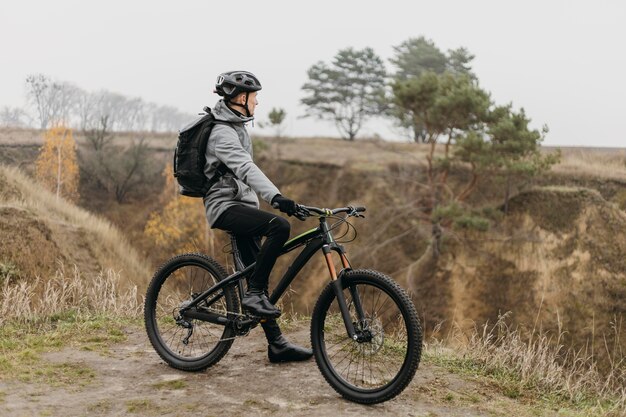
x,y
251,222
279,349
249,248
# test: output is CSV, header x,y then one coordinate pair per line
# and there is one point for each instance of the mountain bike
x,y
365,333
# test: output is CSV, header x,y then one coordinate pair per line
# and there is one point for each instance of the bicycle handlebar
x,y
327,212
302,211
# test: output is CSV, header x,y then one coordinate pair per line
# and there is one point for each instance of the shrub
x,y
8,270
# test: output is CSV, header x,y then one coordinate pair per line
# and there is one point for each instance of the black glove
x,y
284,204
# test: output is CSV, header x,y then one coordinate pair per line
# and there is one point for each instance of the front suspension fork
x,y
337,281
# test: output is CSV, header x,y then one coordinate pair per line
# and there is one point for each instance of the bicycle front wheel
x,y
382,362
187,344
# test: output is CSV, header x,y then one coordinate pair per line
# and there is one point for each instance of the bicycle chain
x,y
212,310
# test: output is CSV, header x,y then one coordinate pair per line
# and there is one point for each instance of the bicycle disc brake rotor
x,y
371,347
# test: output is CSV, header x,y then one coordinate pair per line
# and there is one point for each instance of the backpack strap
x,y
221,169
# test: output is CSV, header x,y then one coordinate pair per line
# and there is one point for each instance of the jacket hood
x,y
222,112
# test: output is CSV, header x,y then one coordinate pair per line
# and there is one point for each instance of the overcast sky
x,y
563,61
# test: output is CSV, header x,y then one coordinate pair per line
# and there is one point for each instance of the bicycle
x,y
365,333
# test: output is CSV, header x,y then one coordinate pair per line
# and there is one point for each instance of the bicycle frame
x,y
313,240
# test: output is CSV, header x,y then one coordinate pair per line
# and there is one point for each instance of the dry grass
x,y
593,162
366,155
45,315
17,137
38,300
114,249
602,163
605,163
535,366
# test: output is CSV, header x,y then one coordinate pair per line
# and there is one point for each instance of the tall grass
x,y
537,364
39,300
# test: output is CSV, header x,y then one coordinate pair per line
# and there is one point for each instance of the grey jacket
x,y
231,145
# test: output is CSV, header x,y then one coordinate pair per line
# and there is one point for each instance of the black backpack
x,y
190,158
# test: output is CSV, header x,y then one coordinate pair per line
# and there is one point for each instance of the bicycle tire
x,y
323,334
156,331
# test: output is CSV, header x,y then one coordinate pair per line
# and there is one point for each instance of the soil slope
x,y
557,261
40,233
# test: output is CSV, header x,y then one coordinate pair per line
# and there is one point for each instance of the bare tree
x,y
56,102
13,117
165,118
127,171
121,170
85,109
38,94
99,136
63,102
113,106
53,101
133,117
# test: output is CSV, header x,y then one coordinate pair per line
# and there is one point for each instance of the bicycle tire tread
x,y
415,354
221,271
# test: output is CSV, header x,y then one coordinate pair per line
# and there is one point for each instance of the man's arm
x,y
228,149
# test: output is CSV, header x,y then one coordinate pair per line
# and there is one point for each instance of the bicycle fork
x,y
337,281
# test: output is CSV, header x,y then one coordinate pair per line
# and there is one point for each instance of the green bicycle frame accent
x,y
300,235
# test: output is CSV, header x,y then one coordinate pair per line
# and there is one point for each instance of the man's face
x,y
252,101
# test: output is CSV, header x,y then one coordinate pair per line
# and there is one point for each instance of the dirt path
x,y
130,379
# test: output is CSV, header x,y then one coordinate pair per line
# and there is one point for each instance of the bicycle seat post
x,y
239,266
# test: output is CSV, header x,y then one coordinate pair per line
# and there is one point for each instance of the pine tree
x,y
348,90
56,165
277,117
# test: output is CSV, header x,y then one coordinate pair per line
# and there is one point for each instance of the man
x,y
232,205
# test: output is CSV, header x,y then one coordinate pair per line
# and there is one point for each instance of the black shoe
x,y
256,302
280,350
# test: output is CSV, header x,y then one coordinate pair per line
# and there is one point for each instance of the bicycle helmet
x,y
231,84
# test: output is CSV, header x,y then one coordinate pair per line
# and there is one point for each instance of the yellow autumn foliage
x,y
56,165
171,186
181,226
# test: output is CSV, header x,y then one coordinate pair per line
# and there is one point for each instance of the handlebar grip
x,y
360,208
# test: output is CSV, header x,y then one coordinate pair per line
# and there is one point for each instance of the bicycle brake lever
x,y
355,213
302,213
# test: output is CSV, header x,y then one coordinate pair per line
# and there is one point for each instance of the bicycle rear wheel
x,y
187,344
384,360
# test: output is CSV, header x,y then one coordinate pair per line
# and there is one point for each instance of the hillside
x,y
555,261
383,177
41,234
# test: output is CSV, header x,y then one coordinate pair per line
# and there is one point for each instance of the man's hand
x,y
284,204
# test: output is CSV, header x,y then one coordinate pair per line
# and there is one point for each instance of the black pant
x,y
249,225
